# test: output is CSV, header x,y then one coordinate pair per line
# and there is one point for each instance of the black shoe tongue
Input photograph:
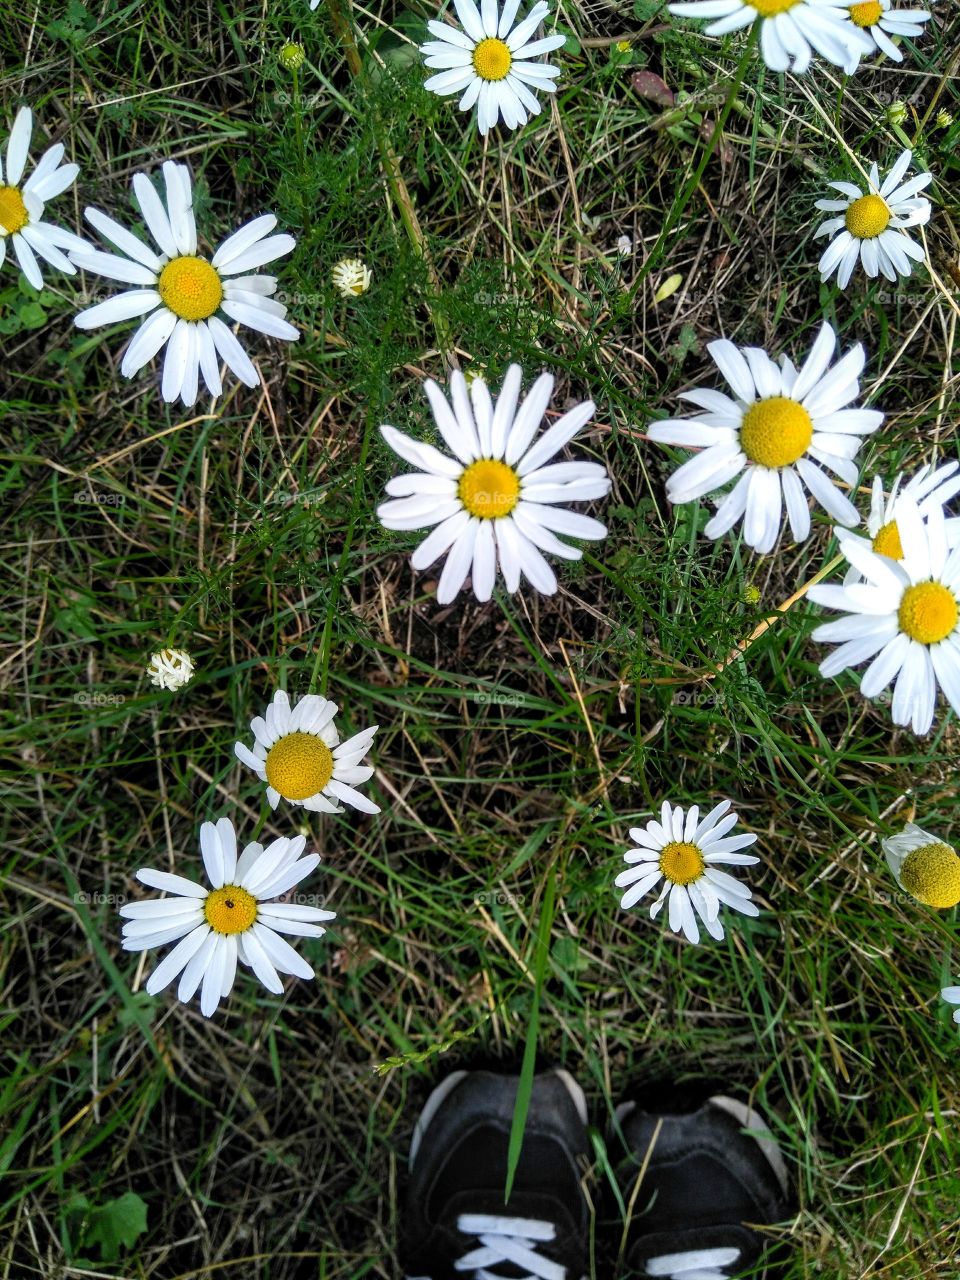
x,y
662,1243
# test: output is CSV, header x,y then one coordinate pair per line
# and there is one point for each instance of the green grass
x,y
518,740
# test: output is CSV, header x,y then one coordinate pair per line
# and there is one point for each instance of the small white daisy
x,y
952,996
351,277
489,61
21,206
872,225
905,617
790,29
781,423
182,292
686,854
170,668
299,755
928,488
878,20
233,920
497,497
925,866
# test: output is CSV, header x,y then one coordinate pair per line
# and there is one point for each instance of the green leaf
x,y
116,1225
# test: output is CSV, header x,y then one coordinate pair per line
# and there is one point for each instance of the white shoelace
x,y
694,1264
508,1240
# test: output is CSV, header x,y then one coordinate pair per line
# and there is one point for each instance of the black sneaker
x,y
704,1185
456,1224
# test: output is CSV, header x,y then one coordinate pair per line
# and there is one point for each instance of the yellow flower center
x,y
489,489
13,212
932,875
867,14
887,542
770,8
191,288
682,863
867,217
775,432
230,909
928,612
492,59
299,766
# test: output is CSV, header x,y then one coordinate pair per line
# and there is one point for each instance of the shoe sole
x,y
446,1087
747,1118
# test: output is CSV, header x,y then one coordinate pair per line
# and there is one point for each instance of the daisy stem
x,y
298,122
679,206
341,17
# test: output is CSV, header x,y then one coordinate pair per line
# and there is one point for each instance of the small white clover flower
x,y
925,866
351,277
170,668
684,851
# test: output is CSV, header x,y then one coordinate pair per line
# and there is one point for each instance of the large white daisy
x,y
780,425
952,996
872,225
685,852
790,29
233,920
878,21
905,617
928,488
181,292
490,62
21,204
497,498
298,753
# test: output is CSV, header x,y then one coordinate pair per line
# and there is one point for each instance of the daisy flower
x,y
497,498
233,920
686,855
489,61
928,488
181,292
878,21
170,668
297,752
21,204
905,617
925,866
872,225
952,996
790,30
781,423
351,277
